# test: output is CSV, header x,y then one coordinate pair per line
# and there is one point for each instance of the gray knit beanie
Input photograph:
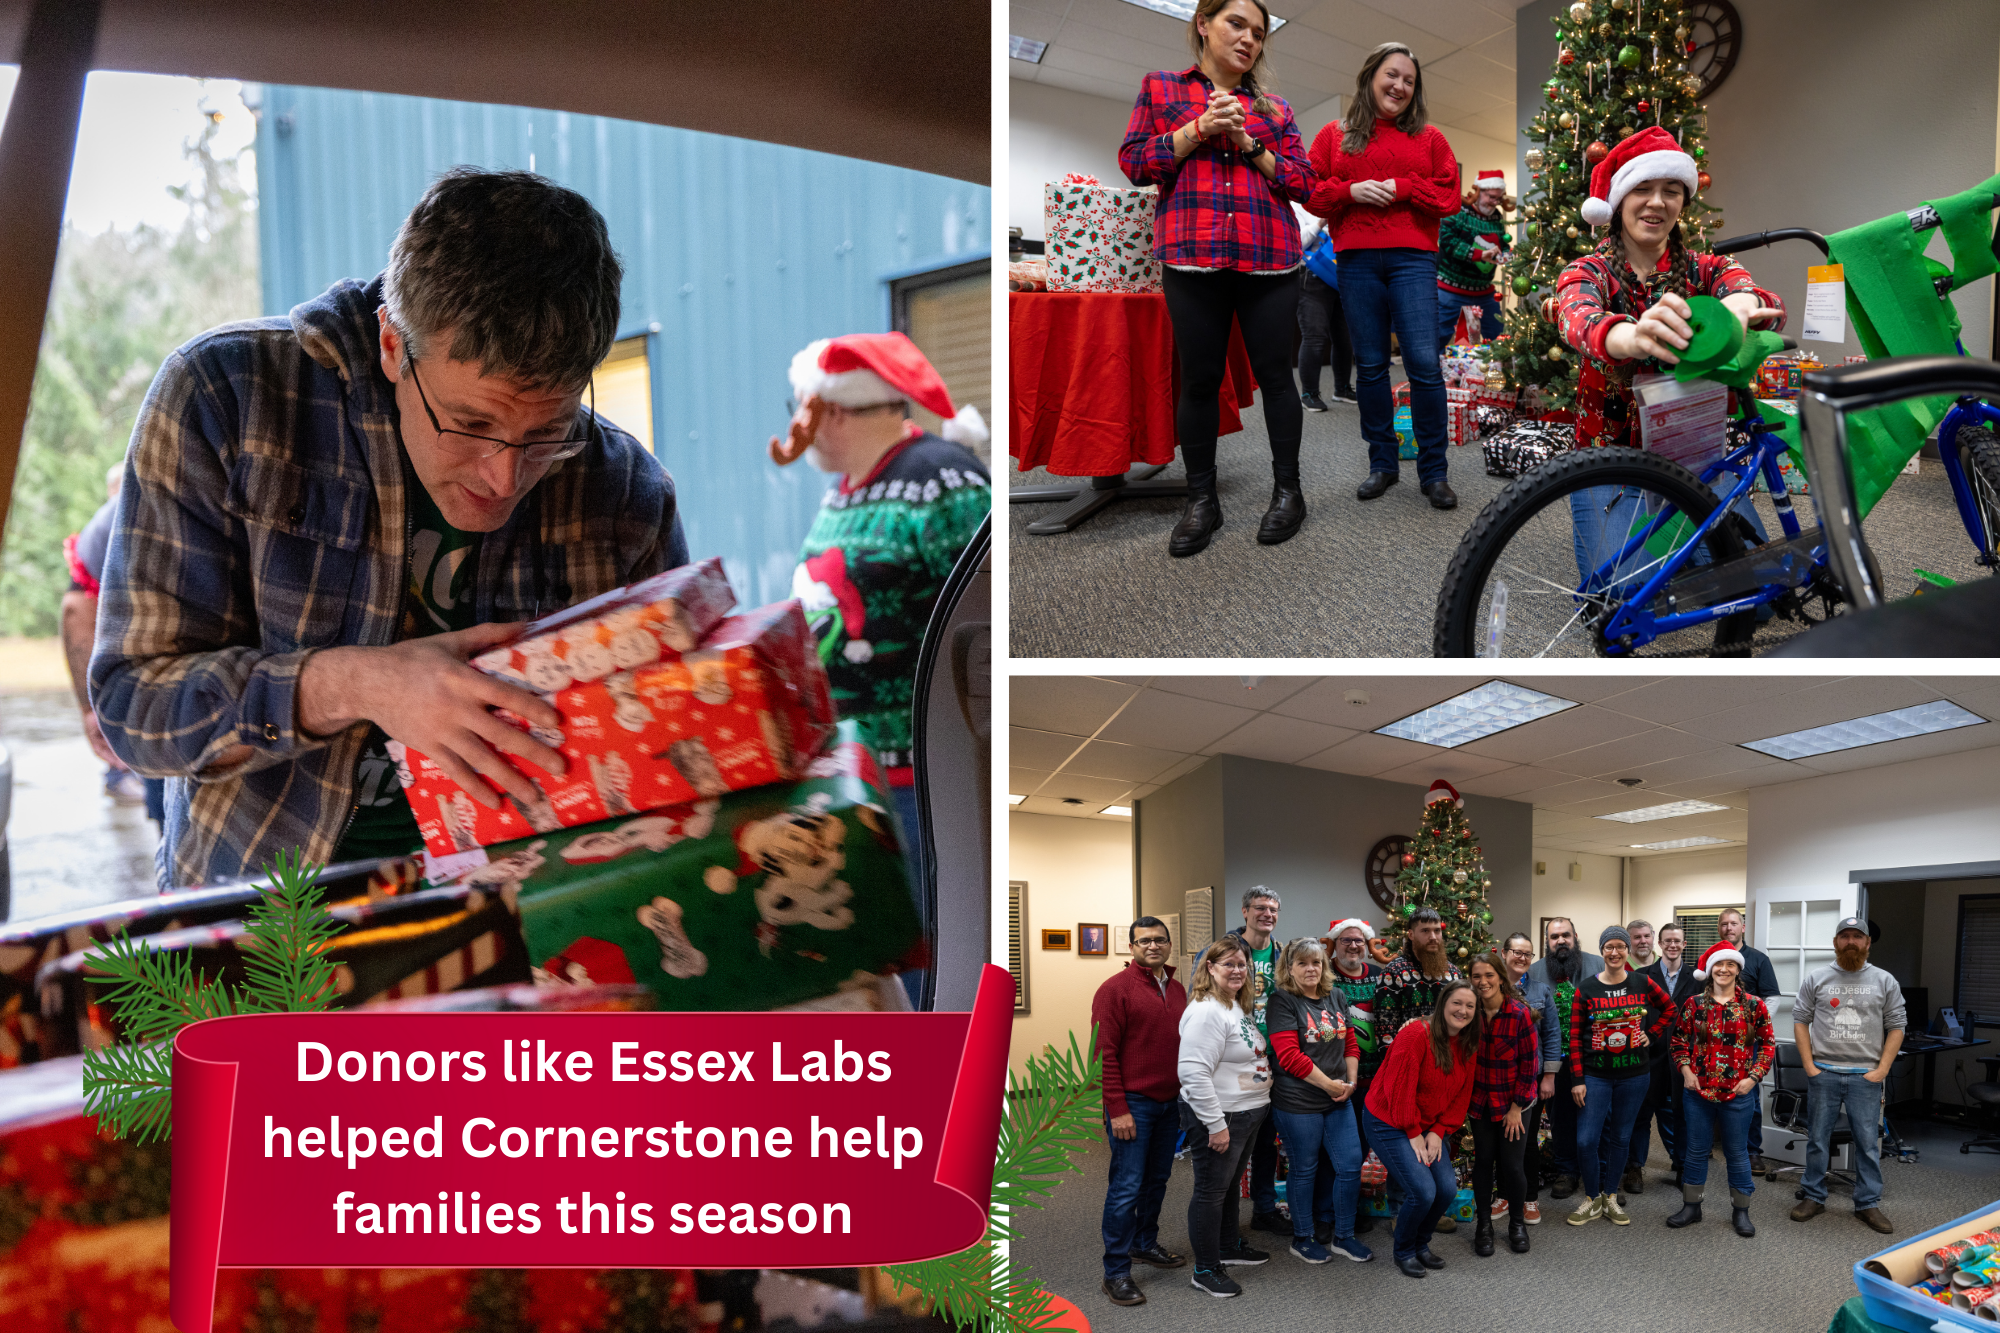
x,y
1614,933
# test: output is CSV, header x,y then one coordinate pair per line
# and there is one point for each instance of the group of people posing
x,y
1412,250
1314,1045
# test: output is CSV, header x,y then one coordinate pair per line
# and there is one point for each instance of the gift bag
x,y
1099,238
1525,445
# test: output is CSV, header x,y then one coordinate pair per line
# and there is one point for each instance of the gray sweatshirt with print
x,y
1848,1014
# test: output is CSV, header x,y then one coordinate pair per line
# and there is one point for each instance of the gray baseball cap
x,y
1851,923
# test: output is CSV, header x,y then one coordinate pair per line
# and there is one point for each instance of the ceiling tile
x,y
1283,740
1581,689
1087,84
1680,698
1037,25
1982,736
1129,763
1390,698
1367,28
1056,7
1695,767
1499,48
1559,733
1175,721
1024,781
1814,706
1044,805
1072,705
1029,748
1616,759
1101,790
1368,755
1513,782
1458,22
1451,765
1296,42
1269,692
1497,123
1181,770
1086,60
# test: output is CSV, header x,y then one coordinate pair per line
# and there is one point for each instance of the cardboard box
x,y
1098,238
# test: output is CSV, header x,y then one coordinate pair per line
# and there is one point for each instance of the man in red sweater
x,y
1137,1014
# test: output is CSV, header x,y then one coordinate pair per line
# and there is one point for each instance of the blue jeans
x,y
1450,303
1428,1191
1316,1194
1827,1094
1140,1167
1396,289
1707,1121
913,858
1605,518
1604,1127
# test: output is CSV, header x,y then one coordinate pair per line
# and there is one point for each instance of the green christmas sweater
x,y
878,553
1458,270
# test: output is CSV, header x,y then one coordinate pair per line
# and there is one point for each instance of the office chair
x,y
1789,1113
1985,1098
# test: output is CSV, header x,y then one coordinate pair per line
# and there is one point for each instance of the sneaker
x,y
1344,395
1533,1215
1614,1208
1499,1212
1588,1211
1312,402
1243,1256
1216,1283
1278,1221
1352,1249
1310,1250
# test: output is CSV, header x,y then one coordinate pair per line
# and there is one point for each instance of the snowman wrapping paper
x,y
757,899
663,701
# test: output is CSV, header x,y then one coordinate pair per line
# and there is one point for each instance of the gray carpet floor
x,y
1788,1278
1359,580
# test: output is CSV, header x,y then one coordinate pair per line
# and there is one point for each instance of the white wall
x,y
1591,902
1051,132
1077,870
1659,884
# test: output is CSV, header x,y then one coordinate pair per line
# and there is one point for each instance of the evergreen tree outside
x,y
1621,65
1443,870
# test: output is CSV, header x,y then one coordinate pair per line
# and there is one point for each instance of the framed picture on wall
x,y
1093,940
1121,941
1055,939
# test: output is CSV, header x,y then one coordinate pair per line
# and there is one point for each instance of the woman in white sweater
x,y
1225,1073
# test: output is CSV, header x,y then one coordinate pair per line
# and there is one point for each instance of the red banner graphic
x,y
595,1140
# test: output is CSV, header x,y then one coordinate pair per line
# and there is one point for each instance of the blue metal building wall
x,y
737,254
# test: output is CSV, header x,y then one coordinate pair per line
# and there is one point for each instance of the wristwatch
x,y
1254,152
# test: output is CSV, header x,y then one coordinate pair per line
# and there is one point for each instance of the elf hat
x,y
1352,923
1650,155
1444,791
1722,951
1489,179
872,369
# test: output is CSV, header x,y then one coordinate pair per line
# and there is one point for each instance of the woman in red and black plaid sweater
x,y
1503,1088
1723,1046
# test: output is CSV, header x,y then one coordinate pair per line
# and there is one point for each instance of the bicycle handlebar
x,y
1758,239
1873,383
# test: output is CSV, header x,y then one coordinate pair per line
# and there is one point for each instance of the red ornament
x,y
1702,179
1409,858
1566,56
1549,309
1644,106
1690,46
1596,152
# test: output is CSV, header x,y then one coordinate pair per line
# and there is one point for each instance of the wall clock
x,y
1716,33
1385,862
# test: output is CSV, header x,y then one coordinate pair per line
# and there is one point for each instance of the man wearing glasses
x,y
325,516
1138,1018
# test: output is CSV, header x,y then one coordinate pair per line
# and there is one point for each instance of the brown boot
x,y
1635,1181
1873,1217
1807,1210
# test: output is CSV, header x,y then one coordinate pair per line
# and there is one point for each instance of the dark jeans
x,y
1385,290
1490,1148
1827,1095
1562,1123
913,854
1264,1169
1323,326
1325,1184
1757,1121
1201,306
1140,1167
1212,1211
1531,1152
1707,1123
1663,1101
1604,1127
1428,1191
1449,305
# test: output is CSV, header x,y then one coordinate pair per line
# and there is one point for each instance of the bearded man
x,y
1848,1022
1560,967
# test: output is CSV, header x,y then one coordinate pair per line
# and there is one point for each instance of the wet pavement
x,y
71,845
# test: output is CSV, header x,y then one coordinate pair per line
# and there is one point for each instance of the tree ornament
x,y
1534,159
1458,877
1409,858
1534,230
1579,12
1627,131
1618,5
1555,353
1486,918
1644,106
1563,167
1596,152
1570,231
1409,909
1463,951
1522,284
1697,152
1680,34
1566,120
1629,56
1463,908
1691,85
1551,88
1566,57
1604,31
1548,308
1703,180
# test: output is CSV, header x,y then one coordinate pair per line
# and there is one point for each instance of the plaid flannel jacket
x,y
264,516
1509,1063
1216,210
1724,1043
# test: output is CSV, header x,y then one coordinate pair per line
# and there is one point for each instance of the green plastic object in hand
x,y
1721,350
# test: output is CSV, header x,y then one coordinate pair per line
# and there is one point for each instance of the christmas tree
x,y
1621,65
1442,870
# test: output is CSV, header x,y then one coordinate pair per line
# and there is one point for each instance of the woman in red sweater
x,y
1418,1100
1386,178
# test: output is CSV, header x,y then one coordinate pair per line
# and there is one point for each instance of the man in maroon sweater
x,y
1137,1014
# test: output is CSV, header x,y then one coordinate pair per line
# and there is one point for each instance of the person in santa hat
x,y
1624,308
889,530
1470,242
1723,1046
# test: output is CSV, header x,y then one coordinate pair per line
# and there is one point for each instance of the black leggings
x,y
1323,325
1491,1147
1266,306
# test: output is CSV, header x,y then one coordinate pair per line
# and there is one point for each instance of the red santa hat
x,y
1489,178
872,369
1718,952
1353,922
1443,791
1650,155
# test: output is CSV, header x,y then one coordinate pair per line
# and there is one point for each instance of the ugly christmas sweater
x,y
1404,993
1308,1034
873,563
1360,995
1459,269
1421,167
1605,1022
1724,1043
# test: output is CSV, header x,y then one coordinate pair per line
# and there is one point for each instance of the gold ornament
x,y
1604,31
1555,354
1627,132
1570,232
1579,12
1463,951
1534,159
1680,34
1566,120
1691,85
1458,877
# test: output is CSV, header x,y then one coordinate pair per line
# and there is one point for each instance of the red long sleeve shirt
x,y
1425,173
1138,1024
1411,1093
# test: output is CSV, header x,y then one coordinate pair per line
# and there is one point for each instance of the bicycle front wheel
x,y
1550,561
1979,458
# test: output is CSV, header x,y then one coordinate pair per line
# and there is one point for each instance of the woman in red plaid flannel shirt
x,y
1724,1046
1229,162
1503,1089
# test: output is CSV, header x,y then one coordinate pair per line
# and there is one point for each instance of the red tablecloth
x,y
1094,380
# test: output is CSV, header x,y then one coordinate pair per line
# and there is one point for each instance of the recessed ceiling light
x,y
1897,725
1022,49
1125,810
1184,10
1677,844
1492,708
1672,811
1015,800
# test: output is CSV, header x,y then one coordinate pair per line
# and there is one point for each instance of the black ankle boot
x,y
1739,1217
1689,1214
1199,521
1482,1235
1282,519
1517,1235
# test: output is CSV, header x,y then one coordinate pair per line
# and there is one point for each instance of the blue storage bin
x,y
1890,1303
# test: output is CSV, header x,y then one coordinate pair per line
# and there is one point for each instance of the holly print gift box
x,y
754,900
1099,239
748,706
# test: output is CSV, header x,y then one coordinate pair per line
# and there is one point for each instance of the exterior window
x,y
948,313
624,388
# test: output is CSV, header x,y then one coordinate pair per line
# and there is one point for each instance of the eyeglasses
x,y
1150,942
467,445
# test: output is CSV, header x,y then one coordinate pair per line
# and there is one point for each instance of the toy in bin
x,y
1942,1279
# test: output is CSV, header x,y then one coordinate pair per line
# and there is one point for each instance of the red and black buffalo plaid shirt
x,y
1724,1043
1216,210
1509,1062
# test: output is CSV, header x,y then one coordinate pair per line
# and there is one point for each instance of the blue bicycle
x,y
1619,552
